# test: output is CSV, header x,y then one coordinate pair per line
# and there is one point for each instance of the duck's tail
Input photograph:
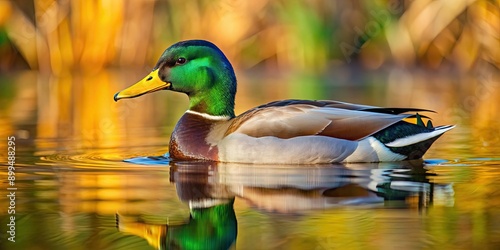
x,y
420,137
411,140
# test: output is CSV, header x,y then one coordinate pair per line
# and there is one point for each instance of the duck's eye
x,y
181,60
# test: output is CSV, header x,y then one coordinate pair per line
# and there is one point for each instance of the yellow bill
x,y
152,233
148,84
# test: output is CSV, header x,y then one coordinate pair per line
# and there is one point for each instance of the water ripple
x,y
107,158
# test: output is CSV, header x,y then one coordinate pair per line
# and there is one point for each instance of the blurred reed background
x,y
60,35
441,55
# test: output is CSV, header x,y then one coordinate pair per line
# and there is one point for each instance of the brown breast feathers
x,y
188,141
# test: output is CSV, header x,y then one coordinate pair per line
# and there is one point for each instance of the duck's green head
x,y
197,68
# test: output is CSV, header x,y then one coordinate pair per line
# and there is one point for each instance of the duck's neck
x,y
219,105
218,100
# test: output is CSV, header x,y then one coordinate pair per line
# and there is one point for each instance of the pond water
x,y
73,189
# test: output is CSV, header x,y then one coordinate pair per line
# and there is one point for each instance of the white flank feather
x,y
238,147
372,150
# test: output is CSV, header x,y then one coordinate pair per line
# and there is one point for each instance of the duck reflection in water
x,y
210,189
212,221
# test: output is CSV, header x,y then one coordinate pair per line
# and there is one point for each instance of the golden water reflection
x,y
353,205
144,198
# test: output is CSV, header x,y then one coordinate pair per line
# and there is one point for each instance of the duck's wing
x,y
344,105
292,118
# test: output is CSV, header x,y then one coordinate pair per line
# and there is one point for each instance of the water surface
x,y
75,191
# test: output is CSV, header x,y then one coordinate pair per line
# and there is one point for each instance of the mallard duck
x,y
285,132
